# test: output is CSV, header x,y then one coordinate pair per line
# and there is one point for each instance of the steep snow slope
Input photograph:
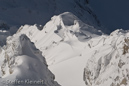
x,y
20,12
65,29
108,65
62,41
21,61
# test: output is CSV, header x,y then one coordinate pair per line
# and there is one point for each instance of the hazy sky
x,y
113,14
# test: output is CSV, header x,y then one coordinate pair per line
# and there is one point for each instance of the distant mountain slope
x,y
113,14
20,12
21,62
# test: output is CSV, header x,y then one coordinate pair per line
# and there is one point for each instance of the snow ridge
x,y
108,66
64,28
63,41
20,60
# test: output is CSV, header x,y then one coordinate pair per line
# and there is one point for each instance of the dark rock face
x,y
17,12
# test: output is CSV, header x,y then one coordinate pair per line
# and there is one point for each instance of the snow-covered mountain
x,y
69,44
108,65
20,61
62,40
20,12
59,34
14,13
65,28
64,34
67,47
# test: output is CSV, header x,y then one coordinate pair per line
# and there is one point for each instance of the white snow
x,y
77,53
69,45
63,41
109,65
20,60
